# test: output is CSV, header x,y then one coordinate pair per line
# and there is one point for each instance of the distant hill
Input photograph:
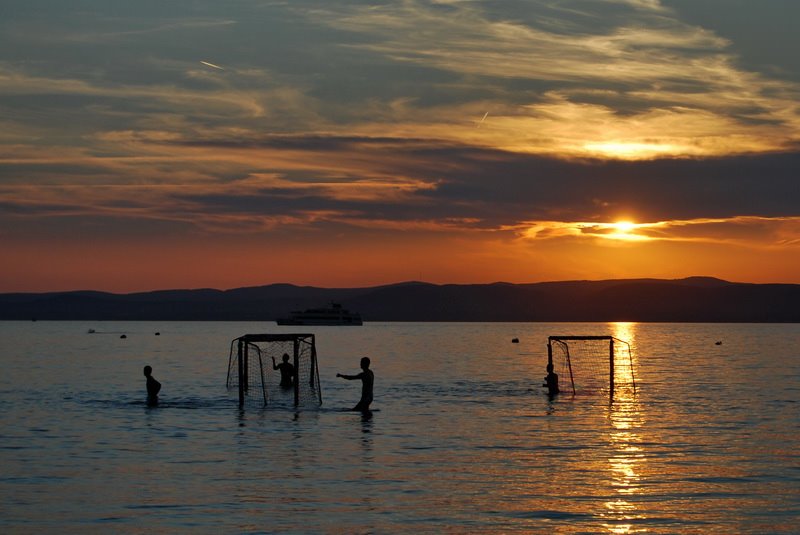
x,y
694,299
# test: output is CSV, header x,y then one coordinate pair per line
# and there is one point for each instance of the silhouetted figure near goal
x,y
367,381
287,371
551,381
153,387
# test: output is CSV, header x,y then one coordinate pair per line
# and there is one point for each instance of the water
x,y
464,441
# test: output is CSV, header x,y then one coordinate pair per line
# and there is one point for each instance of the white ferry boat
x,y
333,315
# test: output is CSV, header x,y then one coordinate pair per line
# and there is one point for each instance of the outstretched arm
x,y
274,366
348,377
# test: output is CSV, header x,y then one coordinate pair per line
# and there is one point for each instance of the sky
x,y
347,143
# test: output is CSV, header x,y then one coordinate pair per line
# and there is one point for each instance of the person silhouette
x,y
153,387
367,382
551,381
287,371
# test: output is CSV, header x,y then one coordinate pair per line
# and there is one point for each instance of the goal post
x,y
591,363
252,373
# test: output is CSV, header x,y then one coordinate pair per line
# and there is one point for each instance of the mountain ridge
x,y
692,299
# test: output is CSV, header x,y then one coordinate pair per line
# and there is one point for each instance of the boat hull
x,y
334,316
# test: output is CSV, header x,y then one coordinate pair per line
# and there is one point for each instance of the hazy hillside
x,y
696,299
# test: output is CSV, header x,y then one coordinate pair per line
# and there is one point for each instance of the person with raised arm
x,y
287,371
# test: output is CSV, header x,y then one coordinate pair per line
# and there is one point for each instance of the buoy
x,y
718,342
158,334
515,340
124,336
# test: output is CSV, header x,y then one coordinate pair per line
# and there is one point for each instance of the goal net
x,y
591,364
253,370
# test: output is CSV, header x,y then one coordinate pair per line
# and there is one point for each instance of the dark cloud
x,y
503,188
312,142
764,185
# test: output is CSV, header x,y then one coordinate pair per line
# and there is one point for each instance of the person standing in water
x,y
551,381
287,371
153,387
367,381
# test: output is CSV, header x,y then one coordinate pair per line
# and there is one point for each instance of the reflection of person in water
x,y
287,371
153,387
551,381
367,381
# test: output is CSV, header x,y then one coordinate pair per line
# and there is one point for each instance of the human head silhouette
x,y
549,368
285,357
365,363
147,371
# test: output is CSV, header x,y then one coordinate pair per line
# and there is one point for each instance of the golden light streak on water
x,y
627,458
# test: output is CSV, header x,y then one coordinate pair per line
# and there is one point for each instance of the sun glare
x,y
623,230
630,151
624,226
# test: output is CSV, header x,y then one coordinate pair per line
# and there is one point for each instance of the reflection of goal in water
x,y
251,372
591,363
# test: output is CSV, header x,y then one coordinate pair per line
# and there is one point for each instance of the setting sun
x,y
624,230
624,226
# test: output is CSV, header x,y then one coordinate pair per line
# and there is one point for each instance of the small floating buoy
x,y
124,336
718,342
515,340
158,334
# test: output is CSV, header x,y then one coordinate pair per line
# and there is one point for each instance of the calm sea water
x,y
464,441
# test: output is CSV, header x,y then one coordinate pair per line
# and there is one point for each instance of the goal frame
x,y
565,339
245,348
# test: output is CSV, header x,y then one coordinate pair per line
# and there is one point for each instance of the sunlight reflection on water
x,y
626,460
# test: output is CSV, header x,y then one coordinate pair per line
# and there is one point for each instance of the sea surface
x,y
463,438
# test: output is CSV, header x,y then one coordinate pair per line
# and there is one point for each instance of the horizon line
x,y
399,283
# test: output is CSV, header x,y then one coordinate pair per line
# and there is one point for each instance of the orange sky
x,y
347,144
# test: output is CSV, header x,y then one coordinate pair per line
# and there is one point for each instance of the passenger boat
x,y
333,315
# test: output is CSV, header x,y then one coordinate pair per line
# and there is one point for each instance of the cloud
x,y
614,79
273,181
465,39
215,102
748,231
631,82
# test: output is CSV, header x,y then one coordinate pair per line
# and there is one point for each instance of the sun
x,y
624,227
624,230
621,230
